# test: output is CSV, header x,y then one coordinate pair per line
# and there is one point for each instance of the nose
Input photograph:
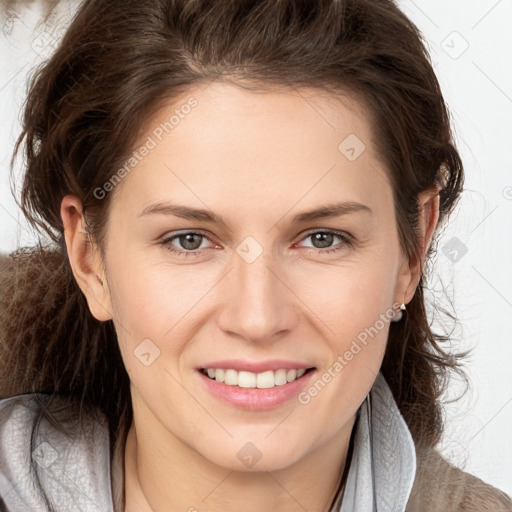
x,y
258,304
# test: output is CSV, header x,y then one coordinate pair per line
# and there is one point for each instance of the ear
x,y
85,259
409,277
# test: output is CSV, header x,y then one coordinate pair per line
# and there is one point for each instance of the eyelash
x,y
347,240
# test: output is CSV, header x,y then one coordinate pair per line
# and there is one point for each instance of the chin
x,y
255,456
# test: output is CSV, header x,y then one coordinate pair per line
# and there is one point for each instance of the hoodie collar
x,y
383,463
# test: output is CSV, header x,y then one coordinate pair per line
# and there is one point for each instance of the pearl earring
x,y
399,313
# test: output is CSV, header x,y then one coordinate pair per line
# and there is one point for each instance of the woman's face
x,y
255,234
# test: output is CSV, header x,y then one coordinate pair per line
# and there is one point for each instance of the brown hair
x,y
86,106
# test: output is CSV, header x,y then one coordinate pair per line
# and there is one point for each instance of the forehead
x,y
239,111
224,141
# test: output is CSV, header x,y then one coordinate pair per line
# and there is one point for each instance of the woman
x,y
284,360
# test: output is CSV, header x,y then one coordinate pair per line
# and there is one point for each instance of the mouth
x,y
250,380
257,390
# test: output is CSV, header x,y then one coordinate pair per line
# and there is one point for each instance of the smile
x,y
261,389
263,380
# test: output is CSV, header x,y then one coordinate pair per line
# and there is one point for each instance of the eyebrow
x,y
186,212
333,210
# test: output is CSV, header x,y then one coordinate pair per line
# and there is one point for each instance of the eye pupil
x,y
325,239
187,241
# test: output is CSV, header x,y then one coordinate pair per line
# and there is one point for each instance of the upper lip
x,y
257,366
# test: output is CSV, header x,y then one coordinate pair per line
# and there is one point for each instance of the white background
x,y
471,46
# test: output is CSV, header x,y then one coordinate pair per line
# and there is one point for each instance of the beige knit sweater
x,y
441,487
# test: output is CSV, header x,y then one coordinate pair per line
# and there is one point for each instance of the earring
x,y
399,313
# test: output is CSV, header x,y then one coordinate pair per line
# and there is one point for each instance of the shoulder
x,y
43,447
441,487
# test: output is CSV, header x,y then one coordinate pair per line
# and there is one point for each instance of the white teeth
x,y
291,375
246,380
280,377
231,377
263,380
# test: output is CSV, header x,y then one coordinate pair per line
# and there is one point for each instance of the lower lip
x,y
256,399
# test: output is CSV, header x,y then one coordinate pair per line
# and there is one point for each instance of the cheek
x,y
147,298
348,297
147,306
353,306
158,302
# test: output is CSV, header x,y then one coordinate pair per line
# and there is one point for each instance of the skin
x,y
258,160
